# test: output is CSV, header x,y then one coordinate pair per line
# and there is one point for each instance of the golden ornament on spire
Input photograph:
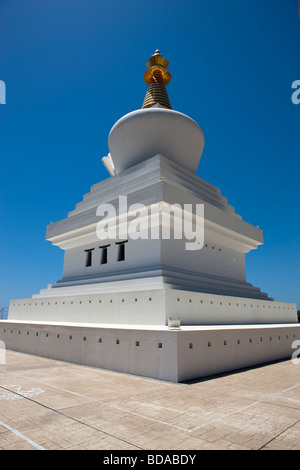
x,y
157,77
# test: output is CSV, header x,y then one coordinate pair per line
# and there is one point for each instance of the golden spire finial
x,y
157,77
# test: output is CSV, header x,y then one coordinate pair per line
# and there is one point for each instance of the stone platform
x,y
52,405
153,351
116,305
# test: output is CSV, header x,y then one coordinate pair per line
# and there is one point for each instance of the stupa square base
x,y
131,303
157,352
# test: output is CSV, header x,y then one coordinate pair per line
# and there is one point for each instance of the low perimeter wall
x,y
157,352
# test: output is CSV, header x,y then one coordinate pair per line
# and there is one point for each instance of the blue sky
x,y
72,68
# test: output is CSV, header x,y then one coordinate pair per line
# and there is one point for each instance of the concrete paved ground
x,y
47,404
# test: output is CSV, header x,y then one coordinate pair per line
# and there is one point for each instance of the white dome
x,y
144,133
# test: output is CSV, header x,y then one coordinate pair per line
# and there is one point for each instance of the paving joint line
x,y
243,408
154,419
275,437
22,436
62,414
104,403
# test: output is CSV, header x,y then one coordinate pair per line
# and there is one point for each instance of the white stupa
x,y
141,302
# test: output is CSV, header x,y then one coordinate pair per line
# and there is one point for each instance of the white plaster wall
x,y
213,259
139,255
212,351
137,308
135,351
152,307
207,309
164,354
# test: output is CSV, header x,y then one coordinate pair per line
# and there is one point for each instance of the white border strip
x,y
18,433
